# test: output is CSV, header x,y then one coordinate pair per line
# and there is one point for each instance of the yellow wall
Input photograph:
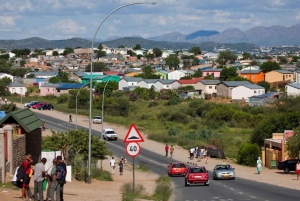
x,y
131,74
275,76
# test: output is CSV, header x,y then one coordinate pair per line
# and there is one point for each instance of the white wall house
x,y
246,91
138,52
43,74
146,83
175,75
17,88
166,84
208,86
128,82
42,82
293,89
3,75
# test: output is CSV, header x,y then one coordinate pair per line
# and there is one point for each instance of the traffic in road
x,y
218,190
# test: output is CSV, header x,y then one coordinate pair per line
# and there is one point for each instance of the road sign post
x,y
133,149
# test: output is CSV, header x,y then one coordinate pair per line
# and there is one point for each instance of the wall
x,y
34,144
272,154
19,149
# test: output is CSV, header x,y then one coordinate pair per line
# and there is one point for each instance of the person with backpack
x,y
17,182
38,178
59,180
23,174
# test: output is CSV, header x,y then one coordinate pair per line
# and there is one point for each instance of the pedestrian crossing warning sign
x,y
133,135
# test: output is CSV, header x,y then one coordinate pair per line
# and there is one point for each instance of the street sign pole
x,y
133,178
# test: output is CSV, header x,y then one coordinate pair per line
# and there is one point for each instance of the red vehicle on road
x,y
38,105
196,175
176,169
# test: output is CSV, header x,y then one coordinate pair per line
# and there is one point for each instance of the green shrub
x,y
162,192
178,116
63,98
128,194
163,179
163,138
78,170
173,131
143,167
153,103
116,94
163,116
49,97
102,175
133,96
248,154
194,126
174,100
144,117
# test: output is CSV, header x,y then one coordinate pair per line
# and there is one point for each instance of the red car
x,y
176,169
196,175
38,105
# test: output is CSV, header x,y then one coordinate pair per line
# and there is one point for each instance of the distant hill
x,y
201,33
33,43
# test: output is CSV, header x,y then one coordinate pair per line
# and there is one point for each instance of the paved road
x,y
220,190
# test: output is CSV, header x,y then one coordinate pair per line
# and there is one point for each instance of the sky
x,y
64,19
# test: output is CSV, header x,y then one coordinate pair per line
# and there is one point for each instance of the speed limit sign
x,y
133,149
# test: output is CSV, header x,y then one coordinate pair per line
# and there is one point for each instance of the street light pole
x,y
76,101
22,86
91,82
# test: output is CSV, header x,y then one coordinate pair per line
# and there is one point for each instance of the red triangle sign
x,y
133,135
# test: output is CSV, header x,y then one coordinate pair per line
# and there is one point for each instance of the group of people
x,y
171,149
55,178
201,153
112,164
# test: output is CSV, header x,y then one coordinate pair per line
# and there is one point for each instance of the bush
x,y
163,179
128,194
49,97
248,154
102,175
63,98
116,94
163,138
153,103
142,167
163,116
178,116
162,192
174,100
78,170
173,131
133,96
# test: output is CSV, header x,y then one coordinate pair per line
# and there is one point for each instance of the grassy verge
x,y
142,167
8,185
162,192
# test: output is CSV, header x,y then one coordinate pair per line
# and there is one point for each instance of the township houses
x,y
58,89
127,83
254,76
224,89
177,74
279,76
243,92
17,88
208,86
146,83
3,75
193,82
214,72
166,84
293,89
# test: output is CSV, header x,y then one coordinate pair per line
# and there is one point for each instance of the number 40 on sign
x,y
133,149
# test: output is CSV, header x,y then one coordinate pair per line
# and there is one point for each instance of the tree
x,y
4,56
238,78
4,82
22,62
97,67
254,63
282,60
264,84
172,61
269,66
77,141
131,53
150,56
197,73
293,144
111,86
195,50
30,76
152,93
82,99
248,153
228,73
226,56
68,50
247,56
137,47
10,107
148,74
55,53
54,80
295,59
157,52
121,46
63,76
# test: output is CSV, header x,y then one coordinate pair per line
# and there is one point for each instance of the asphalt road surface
x,y
218,190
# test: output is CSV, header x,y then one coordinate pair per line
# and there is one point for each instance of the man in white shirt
x,y
38,178
112,165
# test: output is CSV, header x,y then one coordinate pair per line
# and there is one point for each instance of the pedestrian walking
x,y
167,150
198,152
5,100
258,165
298,169
121,165
38,178
44,126
192,150
70,118
171,151
205,156
112,164
26,179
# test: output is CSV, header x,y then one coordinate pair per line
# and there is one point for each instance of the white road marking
x,y
253,197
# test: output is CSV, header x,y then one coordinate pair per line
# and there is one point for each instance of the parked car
x,y
97,120
31,103
223,171
196,175
46,107
109,134
176,169
287,165
35,106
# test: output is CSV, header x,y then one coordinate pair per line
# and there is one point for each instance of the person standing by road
x,y
70,118
38,178
171,151
298,169
121,167
19,183
5,100
26,179
258,165
167,150
44,126
112,164
54,183
62,167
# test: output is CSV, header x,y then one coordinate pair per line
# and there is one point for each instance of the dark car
x,y
287,165
46,107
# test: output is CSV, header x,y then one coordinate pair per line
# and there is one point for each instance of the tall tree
x,y
247,56
4,82
55,53
68,50
148,74
228,73
157,52
226,56
97,67
195,50
172,60
137,47
269,66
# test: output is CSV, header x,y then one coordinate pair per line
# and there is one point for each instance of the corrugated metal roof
x,y
235,83
250,71
166,81
69,86
132,79
284,71
213,70
253,86
266,95
295,85
210,82
150,80
15,84
25,117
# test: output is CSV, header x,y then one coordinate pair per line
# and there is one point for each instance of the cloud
x,y
7,23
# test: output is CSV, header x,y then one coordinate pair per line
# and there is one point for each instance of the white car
x,y
109,134
97,120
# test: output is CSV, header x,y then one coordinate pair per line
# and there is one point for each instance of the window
x,y
258,91
255,92
252,76
245,76
215,87
131,83
290,76
210,87
167,86
47,89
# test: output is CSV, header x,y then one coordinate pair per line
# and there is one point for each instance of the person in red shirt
x,y
27,166
167,150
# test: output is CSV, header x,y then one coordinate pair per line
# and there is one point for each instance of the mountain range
x,y
207,40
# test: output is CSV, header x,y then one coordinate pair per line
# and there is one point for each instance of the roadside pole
x,y
133,178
